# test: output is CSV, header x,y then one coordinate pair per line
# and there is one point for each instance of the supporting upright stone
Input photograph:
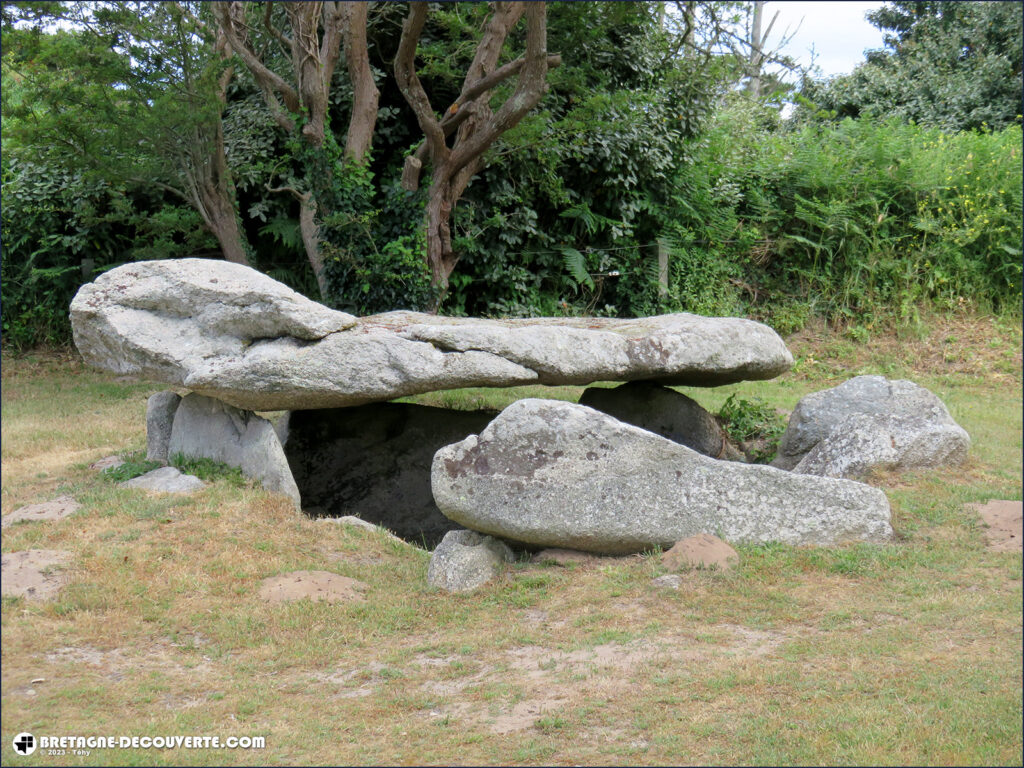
x,y
160,410
465,560
665,412
207,428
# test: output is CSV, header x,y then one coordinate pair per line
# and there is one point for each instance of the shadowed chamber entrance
x,y
373,461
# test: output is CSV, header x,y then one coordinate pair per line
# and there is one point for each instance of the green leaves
x,y
956,66
576,265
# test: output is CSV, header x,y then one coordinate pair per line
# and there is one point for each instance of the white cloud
x,y
837,31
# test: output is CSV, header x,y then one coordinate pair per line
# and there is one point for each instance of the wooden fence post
x,y
662,270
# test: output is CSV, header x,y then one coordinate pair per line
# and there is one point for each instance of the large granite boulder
x,y
665,412
557,474
870,422
374,461
229,332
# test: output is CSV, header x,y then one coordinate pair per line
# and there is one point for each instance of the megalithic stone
x,y
227,331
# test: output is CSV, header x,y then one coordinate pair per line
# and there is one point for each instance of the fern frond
x,y
576,265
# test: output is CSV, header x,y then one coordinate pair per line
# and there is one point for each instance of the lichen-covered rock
x,y
862,442
465,560
229,332
870,422
556,474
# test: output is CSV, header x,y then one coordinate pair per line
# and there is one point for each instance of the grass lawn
x,y
908,653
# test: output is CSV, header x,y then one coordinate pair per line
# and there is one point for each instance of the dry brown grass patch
x,y
977,346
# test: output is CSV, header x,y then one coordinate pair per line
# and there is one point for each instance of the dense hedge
x,y
856,220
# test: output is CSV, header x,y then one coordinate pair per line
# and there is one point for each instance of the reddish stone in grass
x,y
1003,523
700,551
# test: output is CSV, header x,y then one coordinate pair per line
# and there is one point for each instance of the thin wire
x,y
590,249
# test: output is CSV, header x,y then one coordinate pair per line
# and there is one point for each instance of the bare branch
x,y
465,107
302,197
529,89
274,31
161,185
410,85
230,17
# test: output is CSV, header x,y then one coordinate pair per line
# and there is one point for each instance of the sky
x,y
837,31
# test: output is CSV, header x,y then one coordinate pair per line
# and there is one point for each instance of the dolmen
x,y
632,468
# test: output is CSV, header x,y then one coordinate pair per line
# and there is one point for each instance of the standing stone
x,y
664,412
557,474
870,422
465,560
160,410
374,461
207,428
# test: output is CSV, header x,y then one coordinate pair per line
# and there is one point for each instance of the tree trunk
x,y
301,96
690,20
365,95
480,128
310,233
756,47
225,227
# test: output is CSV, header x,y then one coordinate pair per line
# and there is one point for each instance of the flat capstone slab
x,y
227,331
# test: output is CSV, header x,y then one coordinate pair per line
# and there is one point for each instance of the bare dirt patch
x,y
551,679
700,551
118,664
57,509
1003,523
315,585
35,574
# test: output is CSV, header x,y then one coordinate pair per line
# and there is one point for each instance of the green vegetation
x,y
208,469
955,66
891,192
134,465
753,421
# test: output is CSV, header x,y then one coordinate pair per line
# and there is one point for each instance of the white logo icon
x,y
24,744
